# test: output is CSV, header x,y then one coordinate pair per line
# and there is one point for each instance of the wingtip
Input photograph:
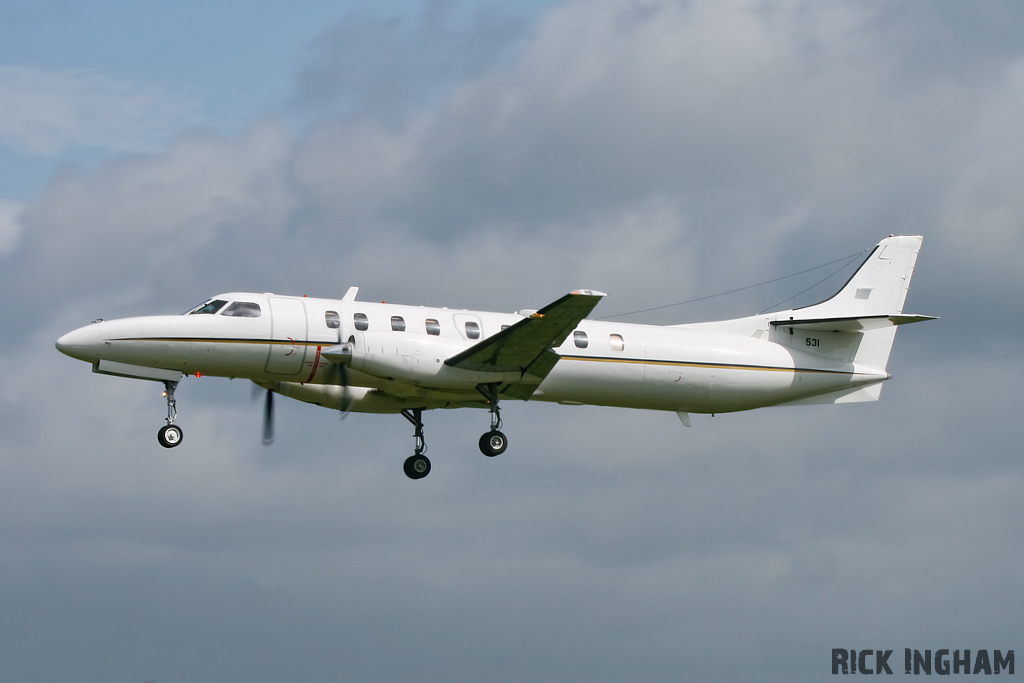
x,y
588,292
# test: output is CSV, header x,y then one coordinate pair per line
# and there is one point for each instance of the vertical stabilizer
x,y
858,325
880,285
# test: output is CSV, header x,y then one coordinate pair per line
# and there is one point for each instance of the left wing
x,y
525,347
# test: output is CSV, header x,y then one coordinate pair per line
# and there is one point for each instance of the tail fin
x,y
858,324
879,287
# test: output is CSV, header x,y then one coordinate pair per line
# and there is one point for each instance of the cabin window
x,y
398,323
472,330
209,308
579,338
361,322
332,319
616,342
243,309
433,327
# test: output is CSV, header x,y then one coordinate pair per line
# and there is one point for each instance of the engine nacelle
x,y
358,399
416,359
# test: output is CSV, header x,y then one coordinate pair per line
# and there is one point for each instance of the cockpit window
x,y
210,307
243,309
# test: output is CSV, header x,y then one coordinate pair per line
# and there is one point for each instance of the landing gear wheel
x,y
493,443
417,466
169,436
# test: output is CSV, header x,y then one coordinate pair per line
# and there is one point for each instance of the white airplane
x,y
359,356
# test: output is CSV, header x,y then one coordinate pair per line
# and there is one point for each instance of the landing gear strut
x,y
417,465
170,435
493,442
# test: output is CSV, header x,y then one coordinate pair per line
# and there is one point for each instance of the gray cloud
x,y
659,151
382,69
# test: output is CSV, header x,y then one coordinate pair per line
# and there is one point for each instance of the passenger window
x,y
398,323
243,309
580,339
209,308
332,319
433,327
616,342
361,322
472,330
504,327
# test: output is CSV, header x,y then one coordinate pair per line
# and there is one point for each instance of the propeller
x,y
268,418
268,412
340,356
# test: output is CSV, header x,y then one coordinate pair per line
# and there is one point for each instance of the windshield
x,y
210,307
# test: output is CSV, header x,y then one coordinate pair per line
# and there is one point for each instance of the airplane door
x,y
288,332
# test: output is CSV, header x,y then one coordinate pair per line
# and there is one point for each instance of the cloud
x,y
369,67
655,150
202,207
45,112
10,227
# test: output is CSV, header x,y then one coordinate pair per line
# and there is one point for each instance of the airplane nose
x,y
82,343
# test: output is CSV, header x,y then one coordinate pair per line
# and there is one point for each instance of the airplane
x,y
351,355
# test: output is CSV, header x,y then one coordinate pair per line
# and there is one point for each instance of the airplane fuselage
x,y
401,352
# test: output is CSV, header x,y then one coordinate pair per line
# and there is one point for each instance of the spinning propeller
x,y
268,412
340,356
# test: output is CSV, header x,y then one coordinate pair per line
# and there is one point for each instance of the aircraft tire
x,y
169,436
493,443
417,466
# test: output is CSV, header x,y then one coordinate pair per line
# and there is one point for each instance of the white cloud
x,y
10,225
45,112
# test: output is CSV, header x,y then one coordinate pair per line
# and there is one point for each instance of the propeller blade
x,y
346,399
268,419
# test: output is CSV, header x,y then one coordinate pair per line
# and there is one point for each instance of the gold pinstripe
x,y
211,340
589,359
716,366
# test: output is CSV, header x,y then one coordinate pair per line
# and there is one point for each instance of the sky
x,y
495,156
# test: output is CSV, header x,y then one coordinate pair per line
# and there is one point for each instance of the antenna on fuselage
x,y
350,295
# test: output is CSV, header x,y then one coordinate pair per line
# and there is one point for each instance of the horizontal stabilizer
x,y
853,323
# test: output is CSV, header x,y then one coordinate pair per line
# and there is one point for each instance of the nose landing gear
x,y
417,465
170,435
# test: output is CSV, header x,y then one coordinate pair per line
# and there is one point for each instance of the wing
x,y
525,347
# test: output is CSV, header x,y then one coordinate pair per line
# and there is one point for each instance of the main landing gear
x,y
170,435
493,442
417,465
